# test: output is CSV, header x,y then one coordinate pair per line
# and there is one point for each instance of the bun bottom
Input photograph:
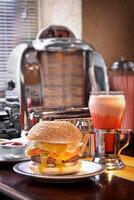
x,y
34,167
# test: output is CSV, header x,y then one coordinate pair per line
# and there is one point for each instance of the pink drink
x,y
107,111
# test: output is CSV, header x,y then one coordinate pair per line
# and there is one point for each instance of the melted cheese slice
x,y
60,152
54,148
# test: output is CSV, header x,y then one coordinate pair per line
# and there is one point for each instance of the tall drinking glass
x,y
107,109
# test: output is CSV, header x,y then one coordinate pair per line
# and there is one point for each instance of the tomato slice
x,y
35,151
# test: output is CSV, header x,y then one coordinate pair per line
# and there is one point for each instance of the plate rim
x,y
23,159
58,177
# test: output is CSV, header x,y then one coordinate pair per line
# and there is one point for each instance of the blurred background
x,y
101,32
107,25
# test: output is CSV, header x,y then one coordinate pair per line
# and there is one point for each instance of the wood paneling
x,y
109,26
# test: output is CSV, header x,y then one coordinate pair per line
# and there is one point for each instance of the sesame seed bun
x,y
55,132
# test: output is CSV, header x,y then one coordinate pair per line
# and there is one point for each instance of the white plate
x,y
4,160
88,169
3,140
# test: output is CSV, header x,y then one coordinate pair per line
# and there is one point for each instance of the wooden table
x,y
111,185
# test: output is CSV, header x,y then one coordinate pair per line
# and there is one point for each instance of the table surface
x,y
115,184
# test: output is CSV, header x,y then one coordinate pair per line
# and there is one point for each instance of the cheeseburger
x,y
55,147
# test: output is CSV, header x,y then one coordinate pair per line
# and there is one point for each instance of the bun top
x,y
55,132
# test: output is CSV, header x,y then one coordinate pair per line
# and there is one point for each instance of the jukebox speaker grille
x,y
63,79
